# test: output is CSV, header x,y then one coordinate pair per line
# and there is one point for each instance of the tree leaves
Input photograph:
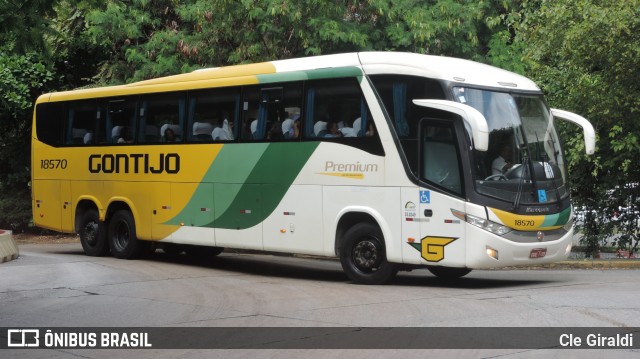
x,y
585,53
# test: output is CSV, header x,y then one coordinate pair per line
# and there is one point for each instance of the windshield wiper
x,y
553,174
526,161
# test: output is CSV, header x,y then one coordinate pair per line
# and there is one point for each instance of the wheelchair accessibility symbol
x,y
425,197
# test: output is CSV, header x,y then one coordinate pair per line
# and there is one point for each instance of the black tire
x,y
93,234
363,255
202,252
122,236
448,272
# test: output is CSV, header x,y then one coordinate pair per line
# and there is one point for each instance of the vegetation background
x,y
585,55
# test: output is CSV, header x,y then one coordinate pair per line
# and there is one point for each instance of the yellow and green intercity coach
x,y
388,161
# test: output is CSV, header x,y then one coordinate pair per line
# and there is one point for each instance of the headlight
x,y
487,225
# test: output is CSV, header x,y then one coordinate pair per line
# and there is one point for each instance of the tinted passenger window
x,y
336,109
213,115
272,112
162,118
81,122
121,120
397,94
50,123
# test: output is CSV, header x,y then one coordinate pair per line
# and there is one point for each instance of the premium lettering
x,y
135,163
331,166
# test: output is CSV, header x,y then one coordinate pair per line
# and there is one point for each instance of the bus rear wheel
x,y
122,236
93,234
363,256
448,272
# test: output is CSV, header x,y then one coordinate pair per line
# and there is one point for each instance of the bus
x,y
384,160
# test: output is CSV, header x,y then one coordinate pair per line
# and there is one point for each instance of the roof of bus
x,y
439,67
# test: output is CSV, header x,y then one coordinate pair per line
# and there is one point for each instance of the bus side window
x,y
121,119
336,109
50,123
441,160
213,114
158,110
397,93
81,122
271,112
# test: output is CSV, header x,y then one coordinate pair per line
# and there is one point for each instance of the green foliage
x,y
24,23
150,39
22,77
586,55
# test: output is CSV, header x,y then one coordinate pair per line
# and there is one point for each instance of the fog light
x,y
568,250
492,253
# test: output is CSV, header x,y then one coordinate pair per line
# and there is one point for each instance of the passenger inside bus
x,y
347,129
503,162
291,127
223,132
171,133
169,136
320,128
125,135
275,131
332,130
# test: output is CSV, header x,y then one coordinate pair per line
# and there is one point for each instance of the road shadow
x,y
330,270
276,265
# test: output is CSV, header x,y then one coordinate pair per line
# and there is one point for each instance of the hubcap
x,y
366,255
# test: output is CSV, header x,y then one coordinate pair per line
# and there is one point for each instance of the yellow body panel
x,y
105,175
522,222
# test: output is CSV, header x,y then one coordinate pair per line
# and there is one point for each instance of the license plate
x,y
538,253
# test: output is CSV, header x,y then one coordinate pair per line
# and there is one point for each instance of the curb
x,y
601,264
8,248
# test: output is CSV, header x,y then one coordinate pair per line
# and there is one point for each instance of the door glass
x,y
440,156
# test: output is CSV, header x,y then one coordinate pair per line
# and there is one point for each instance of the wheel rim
x,y
91,233
121,235
367,255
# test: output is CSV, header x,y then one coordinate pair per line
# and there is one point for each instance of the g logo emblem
x,y
432,248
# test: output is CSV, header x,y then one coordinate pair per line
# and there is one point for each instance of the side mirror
x,y
587,128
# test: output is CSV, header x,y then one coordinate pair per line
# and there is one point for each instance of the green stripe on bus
x,y
248,183
335,72
233,165
558,219
266,185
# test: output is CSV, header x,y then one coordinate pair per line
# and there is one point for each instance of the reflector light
x,y
492,253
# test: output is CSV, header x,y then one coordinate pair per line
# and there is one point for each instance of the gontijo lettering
x,y
134,163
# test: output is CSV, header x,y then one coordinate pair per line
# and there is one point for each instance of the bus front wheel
x,y
448,272
93,234
363,256
122,236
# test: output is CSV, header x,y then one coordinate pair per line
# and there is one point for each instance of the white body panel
x,y
338,180
511,253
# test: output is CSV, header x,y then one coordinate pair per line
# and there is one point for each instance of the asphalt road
x,y
58,286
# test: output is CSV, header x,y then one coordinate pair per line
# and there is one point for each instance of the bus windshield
x,y
524,163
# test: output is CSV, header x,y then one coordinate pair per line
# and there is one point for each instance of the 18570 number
x,y
525,223
53,164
